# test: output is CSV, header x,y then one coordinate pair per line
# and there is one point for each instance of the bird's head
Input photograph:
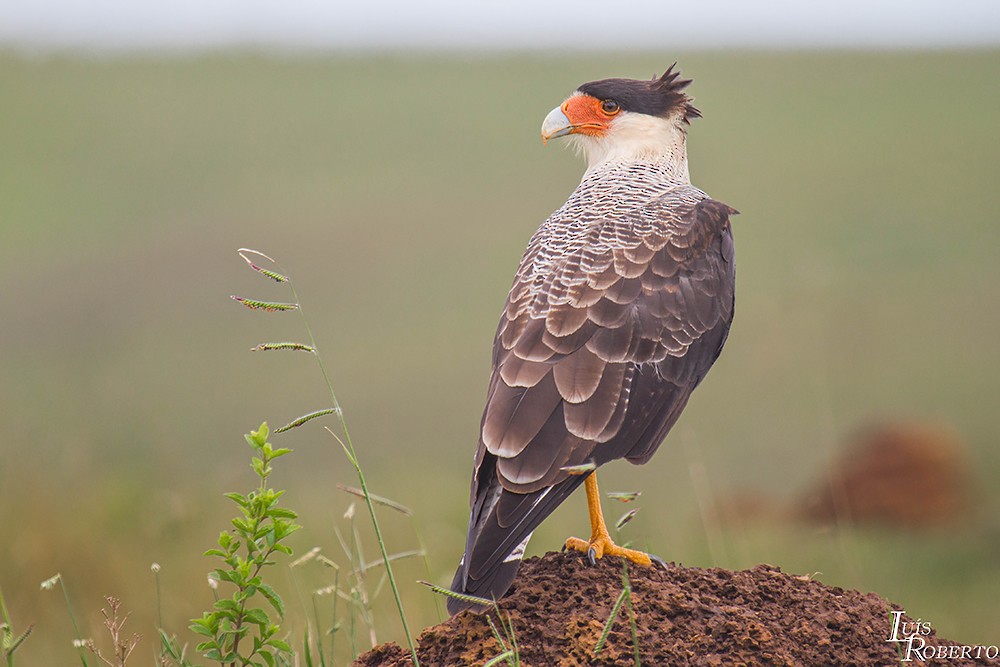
x,y
626,120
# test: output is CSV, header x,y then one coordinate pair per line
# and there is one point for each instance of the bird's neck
x,y
659,145
668,171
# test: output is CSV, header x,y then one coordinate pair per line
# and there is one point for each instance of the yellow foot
x,y
600,545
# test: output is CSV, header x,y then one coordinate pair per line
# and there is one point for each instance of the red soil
x,y
684,616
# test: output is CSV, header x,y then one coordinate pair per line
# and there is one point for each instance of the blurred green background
x,y
399,192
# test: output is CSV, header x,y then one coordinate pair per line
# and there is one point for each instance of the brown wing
x,y
609,326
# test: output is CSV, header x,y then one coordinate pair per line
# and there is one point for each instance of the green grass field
x,y
399,193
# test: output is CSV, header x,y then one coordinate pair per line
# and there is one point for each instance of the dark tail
x,y
492,588
500,526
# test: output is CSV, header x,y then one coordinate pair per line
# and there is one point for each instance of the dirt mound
x,y
684,616
907,475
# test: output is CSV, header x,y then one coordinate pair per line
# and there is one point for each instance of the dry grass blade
x,y
306,557
627,586
371,565
378,500
323,560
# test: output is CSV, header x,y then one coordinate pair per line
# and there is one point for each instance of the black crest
x,y
661,96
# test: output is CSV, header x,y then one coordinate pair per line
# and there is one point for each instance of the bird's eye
x,y
610,107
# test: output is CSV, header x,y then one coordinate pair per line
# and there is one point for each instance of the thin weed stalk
x,y
353,458
624,600
155,567
707,510
335,589
307,643
319,633
347,443
610,622
427,567
79,642
335,626
508,641
408,513
631,613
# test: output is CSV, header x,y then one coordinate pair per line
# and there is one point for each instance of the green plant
x,y
624,599
507,639
245,551
10,639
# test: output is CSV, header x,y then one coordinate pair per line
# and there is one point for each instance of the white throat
x,y
638,138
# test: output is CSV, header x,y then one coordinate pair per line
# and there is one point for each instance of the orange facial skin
x,y
587,115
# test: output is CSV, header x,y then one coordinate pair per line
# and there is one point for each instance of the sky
x,y
496,24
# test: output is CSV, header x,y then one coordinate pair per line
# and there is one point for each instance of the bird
x,y
621,303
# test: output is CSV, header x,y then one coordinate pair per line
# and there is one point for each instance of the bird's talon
x,y
592,555
659,561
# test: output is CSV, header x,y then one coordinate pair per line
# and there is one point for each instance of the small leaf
x,y
167,644
226,604
241,525
280,645
256,616
273,598
210,653
237,498
232,577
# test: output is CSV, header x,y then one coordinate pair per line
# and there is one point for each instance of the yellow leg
x,y
600,543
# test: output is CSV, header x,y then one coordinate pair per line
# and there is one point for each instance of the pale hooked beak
x,y
556,124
